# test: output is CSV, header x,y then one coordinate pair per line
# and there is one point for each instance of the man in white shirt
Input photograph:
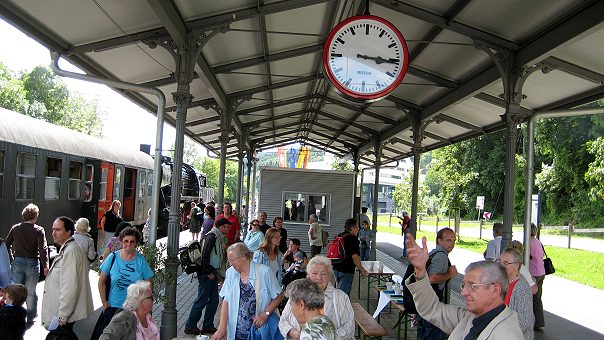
x,y
494,246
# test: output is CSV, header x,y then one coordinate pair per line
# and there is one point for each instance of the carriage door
x,y
105,189
129,193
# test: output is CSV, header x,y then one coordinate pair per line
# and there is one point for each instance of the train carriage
x,y
68,173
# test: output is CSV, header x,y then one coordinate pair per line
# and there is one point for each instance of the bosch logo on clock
x,y
365,57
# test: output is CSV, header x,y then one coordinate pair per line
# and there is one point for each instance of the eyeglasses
x,y
233,260
506,263
255,224
129,241
472,286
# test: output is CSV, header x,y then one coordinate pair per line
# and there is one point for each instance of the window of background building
x,y
88,183
75,180
26,173
297,207
52,184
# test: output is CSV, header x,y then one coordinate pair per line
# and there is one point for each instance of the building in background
x,y
389,178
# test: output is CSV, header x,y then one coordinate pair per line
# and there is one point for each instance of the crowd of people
x,y
257,272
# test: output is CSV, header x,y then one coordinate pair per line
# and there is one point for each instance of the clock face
x,y
365,57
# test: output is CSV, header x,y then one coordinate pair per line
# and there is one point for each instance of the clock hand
x,y
378,60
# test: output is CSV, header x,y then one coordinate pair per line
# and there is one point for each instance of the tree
x,y
211,168
43,95
595,172
402,194
338,165
12,93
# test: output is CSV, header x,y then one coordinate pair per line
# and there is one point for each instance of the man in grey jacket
x,y
67,294
483,289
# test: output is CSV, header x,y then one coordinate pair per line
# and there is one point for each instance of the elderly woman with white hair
x,y
337,304
133,320
251,295
83,238
306,300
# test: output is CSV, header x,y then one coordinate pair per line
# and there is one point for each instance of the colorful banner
x,y
281,156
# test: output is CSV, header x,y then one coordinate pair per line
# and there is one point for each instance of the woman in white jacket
x,y
337,303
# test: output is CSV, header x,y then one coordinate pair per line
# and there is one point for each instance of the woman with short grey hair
x,y
518,297
306,300
133,320
337,304
83,238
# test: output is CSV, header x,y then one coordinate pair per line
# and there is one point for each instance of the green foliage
x,y
211,168
595,172
43,95
12,93
402,194
563,147
337,165
156,257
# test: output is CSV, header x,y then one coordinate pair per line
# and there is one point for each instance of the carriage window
x,y
26,173
150,184
117,179
52,184
103,184
75,180
142,182
1,171
88,183
299,206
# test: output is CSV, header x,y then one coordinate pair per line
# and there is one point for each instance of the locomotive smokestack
x,y
146,148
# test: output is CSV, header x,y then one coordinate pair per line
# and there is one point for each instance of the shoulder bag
x,y
547,263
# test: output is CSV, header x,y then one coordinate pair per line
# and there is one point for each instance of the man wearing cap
x,y
210,274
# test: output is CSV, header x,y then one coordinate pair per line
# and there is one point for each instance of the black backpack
x,y
408,302
191,256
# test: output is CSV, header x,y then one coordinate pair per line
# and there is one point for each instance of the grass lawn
x,y
581,266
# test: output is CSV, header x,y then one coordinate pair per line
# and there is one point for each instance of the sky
x,y
20,53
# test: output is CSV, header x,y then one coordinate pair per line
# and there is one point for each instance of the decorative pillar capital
x,y
182,100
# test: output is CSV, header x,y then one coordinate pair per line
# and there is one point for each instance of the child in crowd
x,y
12,313
295,270
296,267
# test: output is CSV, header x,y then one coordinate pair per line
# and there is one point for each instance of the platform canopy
x,y
266,56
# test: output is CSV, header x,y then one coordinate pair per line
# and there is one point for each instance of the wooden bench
x,y
371,329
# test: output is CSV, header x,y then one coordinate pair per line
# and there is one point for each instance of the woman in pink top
x,y
538,272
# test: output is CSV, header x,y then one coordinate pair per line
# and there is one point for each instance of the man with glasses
x,y
208,277
483,289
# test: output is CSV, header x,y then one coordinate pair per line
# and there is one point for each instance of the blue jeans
x,y
26,271
427,331
344,281
365,253
207,297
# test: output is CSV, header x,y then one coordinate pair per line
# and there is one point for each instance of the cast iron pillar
x,y
377,150
356,209
417,149
249,157
240,180
168,319
513,78
253,198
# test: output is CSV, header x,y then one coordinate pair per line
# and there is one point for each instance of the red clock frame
x,y
353,94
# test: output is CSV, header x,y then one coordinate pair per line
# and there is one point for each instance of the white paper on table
x,y
54,324
382,303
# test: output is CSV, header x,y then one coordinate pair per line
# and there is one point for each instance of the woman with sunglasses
x,y
124,267
134,320
254,236
518,297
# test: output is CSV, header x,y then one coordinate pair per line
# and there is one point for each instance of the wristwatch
x,y
267,313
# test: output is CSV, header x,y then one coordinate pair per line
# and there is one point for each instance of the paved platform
x,y
572,309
